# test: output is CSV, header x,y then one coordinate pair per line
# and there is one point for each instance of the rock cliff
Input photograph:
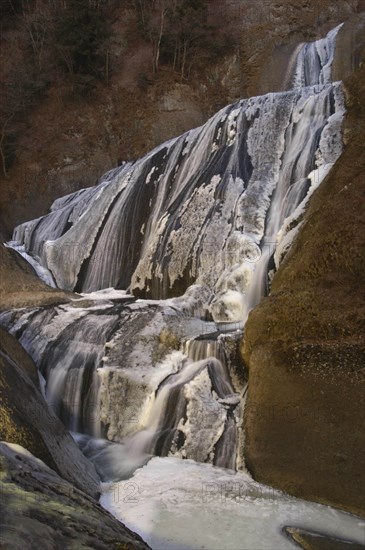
x,y
304,344
42,510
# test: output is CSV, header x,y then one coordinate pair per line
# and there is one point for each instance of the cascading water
x,y
314,62
205,207
202,214
183,405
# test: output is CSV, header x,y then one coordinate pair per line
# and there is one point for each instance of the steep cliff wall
x,y
304,344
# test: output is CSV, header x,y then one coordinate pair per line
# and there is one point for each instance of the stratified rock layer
x,y
20,286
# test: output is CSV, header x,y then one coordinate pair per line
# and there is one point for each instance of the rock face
x,y
27,420
20,286
304,344
42,510
177,112
317,541
349,47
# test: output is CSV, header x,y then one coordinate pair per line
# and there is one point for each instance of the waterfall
x,y
194,211
205,208
194,226
315,60
67,347
187,407
184,420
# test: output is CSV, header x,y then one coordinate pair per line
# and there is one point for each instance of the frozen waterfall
x,y
193,229
109,375
314,62
203,208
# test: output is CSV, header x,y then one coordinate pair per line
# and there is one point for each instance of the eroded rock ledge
x,y
20,286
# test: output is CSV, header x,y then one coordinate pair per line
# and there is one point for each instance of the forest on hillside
x,y
74,41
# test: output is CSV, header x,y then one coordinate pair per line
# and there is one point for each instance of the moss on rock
x,y
304,344
42,510
26,419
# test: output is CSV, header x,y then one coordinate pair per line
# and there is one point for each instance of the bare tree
x,y
162,7
37,24
5,122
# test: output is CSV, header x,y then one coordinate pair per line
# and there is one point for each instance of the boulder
x,y
318,541
20,286
42,510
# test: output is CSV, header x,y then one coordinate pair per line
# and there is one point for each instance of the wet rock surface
x,y
42,510
28,421
317,541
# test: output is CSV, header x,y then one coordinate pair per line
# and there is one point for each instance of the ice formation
x,y
191,228
204,208
198,506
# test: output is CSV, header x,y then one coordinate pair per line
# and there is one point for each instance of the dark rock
x,y
304,344
41,510
317,541
349,45
28,421
20,286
